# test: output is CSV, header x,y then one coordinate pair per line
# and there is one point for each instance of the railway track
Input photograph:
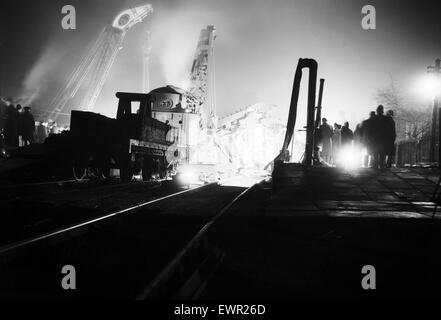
x,y
44,183
63,230
38,208
119,255
66,188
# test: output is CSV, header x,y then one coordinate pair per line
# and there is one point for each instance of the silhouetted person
x,y
367,127
28,126
2,117
358,142
41,132
11,124
336,142
358,135
391,135
52,127
20,124
346,135
326,140
380,131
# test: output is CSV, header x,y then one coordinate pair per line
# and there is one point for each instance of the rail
x,y
65,230
159,288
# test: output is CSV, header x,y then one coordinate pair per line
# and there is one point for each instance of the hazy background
x,y
256,51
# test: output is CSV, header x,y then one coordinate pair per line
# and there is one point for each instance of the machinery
x,y
87,80
312,123
134,142
202,78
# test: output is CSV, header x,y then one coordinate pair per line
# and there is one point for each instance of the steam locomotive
x,y
134,142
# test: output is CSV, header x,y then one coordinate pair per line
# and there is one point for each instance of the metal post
x,y
318,119
1,69
310,129
436,107
319,105
435,114
146,48
432,135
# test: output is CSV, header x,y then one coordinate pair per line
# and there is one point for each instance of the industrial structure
x,y
91,74
203,78
193,112
146,49
251,137
245,140
178,108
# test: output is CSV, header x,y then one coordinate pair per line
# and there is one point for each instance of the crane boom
x,y
202,77
92,72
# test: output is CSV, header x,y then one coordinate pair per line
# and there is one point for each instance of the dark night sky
x,y
257,48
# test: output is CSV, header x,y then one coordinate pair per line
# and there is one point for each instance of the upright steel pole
x,y
435,114
432,135
436,107
318,119
310,130
292,116
146,48
319,105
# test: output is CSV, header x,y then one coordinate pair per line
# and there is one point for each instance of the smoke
x,y
174,40
37,78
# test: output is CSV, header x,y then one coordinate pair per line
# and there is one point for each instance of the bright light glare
x,y
187,176
349,158
429,86
3,153
364,152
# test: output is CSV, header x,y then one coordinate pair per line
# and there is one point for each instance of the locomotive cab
x,y
131,116
134,142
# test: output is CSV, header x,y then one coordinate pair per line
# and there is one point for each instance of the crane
x,y
92,71
202,77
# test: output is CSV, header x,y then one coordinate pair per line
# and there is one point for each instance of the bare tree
x,y
412,119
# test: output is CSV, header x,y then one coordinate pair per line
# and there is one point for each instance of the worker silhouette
x,y
367,128
325,138
28,124
391,135
380,132
347,136
336,143
11,124
20,124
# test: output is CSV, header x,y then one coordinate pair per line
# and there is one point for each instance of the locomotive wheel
x,y
157,168
126,173
147,170
104,173
125,170
162,169
103,165
79,172
79,166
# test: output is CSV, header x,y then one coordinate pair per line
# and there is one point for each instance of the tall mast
x,y
202,77
90,75
146,49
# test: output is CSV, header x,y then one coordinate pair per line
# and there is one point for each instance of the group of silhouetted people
x,y
17,124
376,135
379,134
